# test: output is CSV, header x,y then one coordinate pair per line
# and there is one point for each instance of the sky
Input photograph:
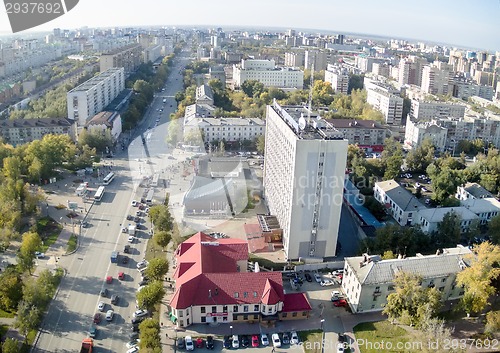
x,y
466,23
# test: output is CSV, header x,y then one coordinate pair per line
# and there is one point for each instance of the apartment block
x,y
389,104
338,77
427,110
367,134
435,80
20,131
381,69
417,132
368,279
266,72
294,59
228,129
92,96
464,90
304,170
410,70
315,58
129,57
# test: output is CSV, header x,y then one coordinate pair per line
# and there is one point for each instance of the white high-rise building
x,y
435,81
338,77
387,103
304,170
92,96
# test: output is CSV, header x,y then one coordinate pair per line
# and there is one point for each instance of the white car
x,y
335,293
338,272
235,341
140,313
340,348
276,340
189,343
317,278
133,350
142,264
327,282
101,306
294,338
134,203
39,255
109,315
133,343
264,340
131,239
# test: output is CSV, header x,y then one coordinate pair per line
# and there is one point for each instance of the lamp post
x,y
231,328
322,321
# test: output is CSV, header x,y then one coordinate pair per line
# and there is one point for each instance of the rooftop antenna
x,y
310,94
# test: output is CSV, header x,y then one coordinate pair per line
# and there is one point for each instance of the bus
x,y
156,177
108,179
99,193
149,197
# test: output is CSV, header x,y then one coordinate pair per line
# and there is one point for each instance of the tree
x,y
494,230
11,286
448,230
30,244
261,144
392,158
410,303
150,295
157,269
477,278
492,322
162,238
149,335
194,137
355,82
388,255
421,157
252,88
10,345
28,318
160,217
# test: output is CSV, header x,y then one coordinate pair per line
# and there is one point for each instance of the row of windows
x,y
235,308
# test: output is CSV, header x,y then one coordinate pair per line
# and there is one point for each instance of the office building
x,y
368,280
266,72
338,77
92,96
304,170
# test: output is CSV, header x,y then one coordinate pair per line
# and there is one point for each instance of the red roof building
x,y
212,285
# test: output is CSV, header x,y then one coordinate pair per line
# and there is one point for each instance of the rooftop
x,y
477,190
296,302
355,124
96,80
482,205
103,118
38,122
399,195
434,215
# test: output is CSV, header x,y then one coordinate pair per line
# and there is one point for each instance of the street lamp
x,y
322,321
231,327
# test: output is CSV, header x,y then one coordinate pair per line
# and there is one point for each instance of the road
x,y
70,313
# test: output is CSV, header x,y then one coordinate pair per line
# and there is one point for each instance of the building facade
x,y
294,59
416,133
365,133
266,72
390,105
226,129
92,96
338,77
423,110
104,122
128,57
304,170
368,280
435,81
20,131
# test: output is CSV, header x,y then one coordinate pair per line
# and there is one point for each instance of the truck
x,y
131,229
87,345
114,257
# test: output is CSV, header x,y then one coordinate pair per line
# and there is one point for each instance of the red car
x,y
121,275
340,302
109,279
199,342
97,318
255,341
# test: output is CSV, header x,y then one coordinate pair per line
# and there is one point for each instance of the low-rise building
x,y
401,204
212,285
21,131
425,110
429,219
267,73
484,208
417,132
104,122
368,280
471,191
204,95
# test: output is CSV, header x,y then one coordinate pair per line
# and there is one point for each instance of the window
x,y
304,313
224,309
236,294
235,317
294,314
203,319
255,308
245,308
181,313
283,314
270,310
214,309
245,294
203,310
245,317
255,294
235,308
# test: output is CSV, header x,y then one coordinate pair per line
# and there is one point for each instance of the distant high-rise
x,y
338,77
304,170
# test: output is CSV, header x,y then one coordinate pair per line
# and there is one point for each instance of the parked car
x,y
264,340
109,279
340,348
104,292
255,341
317,278
286,338
133,350
140,313
342,338
142,264
340,302
125,260
97,318
109,315
276,340
294,338
338,272
101,306
137,320
132,343
189,343
181,343
245,342
235,342
130,217
133,335
134,203
308,277
92,331
126,249
115,299
199,342
227,342
327,282
209,343
121,276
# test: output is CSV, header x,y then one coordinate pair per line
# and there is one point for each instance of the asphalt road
x,y
70,314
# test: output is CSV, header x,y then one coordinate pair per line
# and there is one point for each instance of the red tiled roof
x,y
220,289
296,302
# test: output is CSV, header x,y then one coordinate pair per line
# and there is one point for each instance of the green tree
x,y
261,144
160,217
355,82
28,318
11,286
150,295
477,278
388,255
492,322
10,345
157,269
410,303
448,230
173,132
30,244
252,88
194,137
149,335
494,230
421,157
162,238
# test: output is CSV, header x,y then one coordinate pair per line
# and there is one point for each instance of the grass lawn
x,y
311,341
374,333
7,314
49,231
72,242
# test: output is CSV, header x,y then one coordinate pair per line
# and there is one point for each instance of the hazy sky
x,y
469,23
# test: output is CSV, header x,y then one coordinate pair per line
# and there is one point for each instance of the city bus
x,y
156,177
99,193
149,197
108,179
